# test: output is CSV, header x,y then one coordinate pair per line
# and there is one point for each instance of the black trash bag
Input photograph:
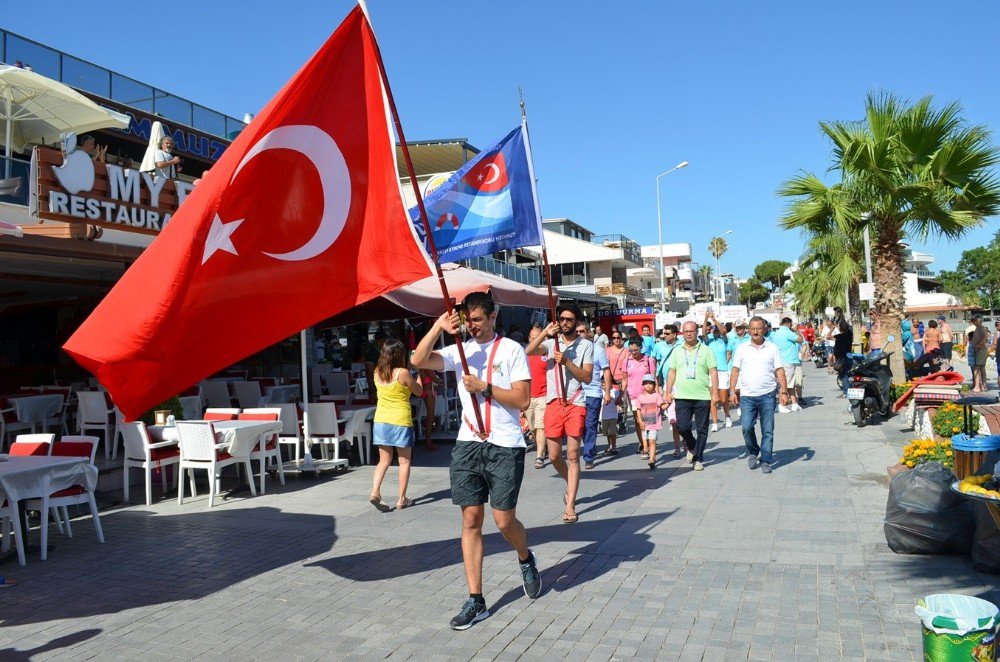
x,y
924,516
986,543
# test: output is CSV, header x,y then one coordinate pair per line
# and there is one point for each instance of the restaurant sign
x,y
76,189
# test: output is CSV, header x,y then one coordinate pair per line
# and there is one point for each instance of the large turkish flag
x,y
300,219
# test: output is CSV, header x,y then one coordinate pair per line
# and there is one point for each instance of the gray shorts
x,y
481,471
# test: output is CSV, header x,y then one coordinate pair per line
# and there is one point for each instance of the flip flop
x,y
539,463
379,504
5,582
405,503
570,519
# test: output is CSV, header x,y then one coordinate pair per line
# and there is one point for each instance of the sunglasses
x,y
567,319
616,337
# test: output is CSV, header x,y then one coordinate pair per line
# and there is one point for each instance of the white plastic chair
x,y
84,446
291,431
247,394
199,450
93,415
141,453
35,438
8,421
266,449
216,394
191,407
324,429
6,528
338,387
359,430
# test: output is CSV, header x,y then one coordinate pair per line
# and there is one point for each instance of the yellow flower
x,y
956,429
909,464
948,453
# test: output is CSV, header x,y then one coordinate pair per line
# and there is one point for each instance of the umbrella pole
x,y
7,137
307,458
427,226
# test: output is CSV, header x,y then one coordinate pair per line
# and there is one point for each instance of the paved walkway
x,y
724,564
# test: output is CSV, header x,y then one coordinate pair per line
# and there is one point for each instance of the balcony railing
x,y
631,251
103,82
524,275
14,181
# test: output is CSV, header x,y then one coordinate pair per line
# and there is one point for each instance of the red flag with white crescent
x,y
301,218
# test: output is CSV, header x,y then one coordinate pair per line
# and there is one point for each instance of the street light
x,y
659,229
718,258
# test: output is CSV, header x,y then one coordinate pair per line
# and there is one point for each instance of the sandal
x,y
379,504
539,463
405,503
5,582
570,519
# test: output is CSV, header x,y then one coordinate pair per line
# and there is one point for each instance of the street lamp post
x,y
659,229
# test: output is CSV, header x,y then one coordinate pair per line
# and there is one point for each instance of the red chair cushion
x,y
223,456
76,490
164,453
23,448
257,417
72,449
216,416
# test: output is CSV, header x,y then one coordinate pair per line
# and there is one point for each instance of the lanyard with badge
x,y
489,401
690,369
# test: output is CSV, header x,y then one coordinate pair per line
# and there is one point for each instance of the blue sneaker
x,y
472,612
529,574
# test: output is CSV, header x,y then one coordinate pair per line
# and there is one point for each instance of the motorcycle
x,y
820,356
869,388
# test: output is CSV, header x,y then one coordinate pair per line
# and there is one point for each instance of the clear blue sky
x,y
616,92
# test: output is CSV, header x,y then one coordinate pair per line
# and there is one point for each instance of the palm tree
x,y
905,170
717,247
706,279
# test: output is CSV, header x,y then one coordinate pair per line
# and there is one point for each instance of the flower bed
x,y
949,420
919,451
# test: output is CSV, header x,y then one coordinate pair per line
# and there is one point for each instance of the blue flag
x,y
488,205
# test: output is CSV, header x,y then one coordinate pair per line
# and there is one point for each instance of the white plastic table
x,y
34,477
37,409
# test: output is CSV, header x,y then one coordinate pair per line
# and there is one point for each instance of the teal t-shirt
x,y
701,359
719,348
735,341
661,352
788,345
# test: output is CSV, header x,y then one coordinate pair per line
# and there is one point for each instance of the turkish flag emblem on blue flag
x,y
301,219
489,175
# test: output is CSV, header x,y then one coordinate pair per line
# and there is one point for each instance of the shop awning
x,y
423,298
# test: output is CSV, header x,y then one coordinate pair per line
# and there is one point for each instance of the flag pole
x,y
541,234
423,217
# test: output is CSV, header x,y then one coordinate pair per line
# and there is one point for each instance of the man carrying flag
x,y
488,464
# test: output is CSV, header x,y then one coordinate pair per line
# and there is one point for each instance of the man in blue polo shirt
x,y
789,343
714,335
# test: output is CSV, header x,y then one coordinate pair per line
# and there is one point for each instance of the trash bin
x,y
958,627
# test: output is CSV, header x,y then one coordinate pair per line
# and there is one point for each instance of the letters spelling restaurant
x,y
88,221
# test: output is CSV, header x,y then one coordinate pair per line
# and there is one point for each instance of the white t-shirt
x,y
602,340
757,364
169,171
510,364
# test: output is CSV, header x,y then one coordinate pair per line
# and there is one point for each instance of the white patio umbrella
x,y
156,134
35,109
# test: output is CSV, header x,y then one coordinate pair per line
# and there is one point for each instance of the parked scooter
x,y
869,387
820,355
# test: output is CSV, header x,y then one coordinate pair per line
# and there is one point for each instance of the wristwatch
x,y
488,391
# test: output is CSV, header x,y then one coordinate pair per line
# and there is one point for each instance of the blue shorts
x,y
388,434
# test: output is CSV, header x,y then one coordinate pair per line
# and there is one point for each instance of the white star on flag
x,y
220,238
